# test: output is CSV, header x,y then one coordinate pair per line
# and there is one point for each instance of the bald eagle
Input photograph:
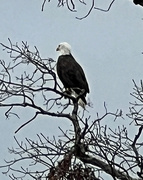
x,y
71,73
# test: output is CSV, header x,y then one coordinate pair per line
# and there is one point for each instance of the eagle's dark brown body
x,y
72,75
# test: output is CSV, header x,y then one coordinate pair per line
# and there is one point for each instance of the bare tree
x,y
89,151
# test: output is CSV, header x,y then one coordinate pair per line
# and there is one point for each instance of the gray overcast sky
x,y
107,45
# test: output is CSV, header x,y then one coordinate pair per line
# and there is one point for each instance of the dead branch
x,y
71,6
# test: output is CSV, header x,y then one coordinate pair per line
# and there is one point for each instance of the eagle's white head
x,y
64,48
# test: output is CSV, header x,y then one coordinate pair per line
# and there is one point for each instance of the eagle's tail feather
x,y
82,102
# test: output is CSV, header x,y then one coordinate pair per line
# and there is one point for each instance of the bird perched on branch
x,y
71,74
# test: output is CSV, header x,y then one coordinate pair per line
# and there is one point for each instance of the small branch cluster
x,y
29,81
136,109
136,114
71,5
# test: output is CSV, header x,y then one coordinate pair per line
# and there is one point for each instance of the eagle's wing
x,y
71,73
